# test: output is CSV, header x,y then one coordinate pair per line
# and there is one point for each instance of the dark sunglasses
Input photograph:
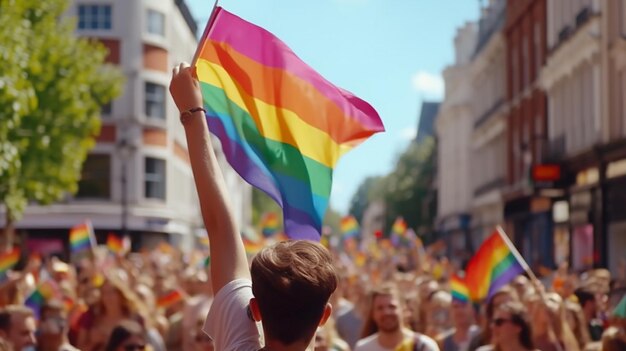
x,y
134,347
498,322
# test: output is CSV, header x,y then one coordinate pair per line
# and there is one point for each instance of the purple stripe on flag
x,y
509,274
298,223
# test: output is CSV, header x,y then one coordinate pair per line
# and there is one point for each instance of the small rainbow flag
x,y
45,291
349,227
251,247
8,260
81,237
114,243
399,226
459,289
398,231
282,126
270,224
170,298
493,266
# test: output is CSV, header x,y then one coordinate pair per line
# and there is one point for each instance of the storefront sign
x,y
546,173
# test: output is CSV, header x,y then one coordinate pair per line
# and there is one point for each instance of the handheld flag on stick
x,y
269,224
494,265
349,227
170,298
459,289
114,243
398,231
8,260
282,126
45,291
82,237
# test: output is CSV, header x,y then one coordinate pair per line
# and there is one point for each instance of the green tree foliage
x,y
365,194
407,191
262,204
408,187
52,87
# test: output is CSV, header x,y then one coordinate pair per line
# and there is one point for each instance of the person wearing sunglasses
x,y
128,335
510,329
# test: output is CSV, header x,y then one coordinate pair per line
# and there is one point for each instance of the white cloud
x,y
408,133
428,84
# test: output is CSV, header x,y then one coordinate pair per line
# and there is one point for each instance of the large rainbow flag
x,y
493,266
282,126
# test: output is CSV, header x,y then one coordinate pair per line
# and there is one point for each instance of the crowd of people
x,y
386,300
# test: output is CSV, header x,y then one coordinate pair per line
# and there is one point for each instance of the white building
x,y
454,125
585,81
488,138
138,178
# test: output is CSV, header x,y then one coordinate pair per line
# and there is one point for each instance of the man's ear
x,y
253,309
328,311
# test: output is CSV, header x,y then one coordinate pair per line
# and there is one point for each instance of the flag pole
x,y
516,253
92,235
205,33
532,275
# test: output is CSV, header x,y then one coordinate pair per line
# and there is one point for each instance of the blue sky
x,y
388,52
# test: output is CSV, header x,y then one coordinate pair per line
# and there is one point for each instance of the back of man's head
x,y
292,282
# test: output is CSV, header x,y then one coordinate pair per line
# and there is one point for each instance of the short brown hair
x,y
292,282
8,312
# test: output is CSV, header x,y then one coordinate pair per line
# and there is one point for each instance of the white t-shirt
x,y
371,343
228,323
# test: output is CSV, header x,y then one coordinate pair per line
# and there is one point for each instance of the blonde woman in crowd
x,y
95,326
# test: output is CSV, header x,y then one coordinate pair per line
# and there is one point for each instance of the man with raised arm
x,y
288,285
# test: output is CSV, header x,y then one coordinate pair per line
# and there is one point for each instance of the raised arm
x,y
228,257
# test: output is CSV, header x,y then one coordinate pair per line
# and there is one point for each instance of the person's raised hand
x,y
185,88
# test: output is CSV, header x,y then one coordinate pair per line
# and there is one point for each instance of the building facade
x,y
585,85
138,179
453,128
488,136
527,211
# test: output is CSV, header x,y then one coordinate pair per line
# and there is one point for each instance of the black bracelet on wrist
x,y
184,116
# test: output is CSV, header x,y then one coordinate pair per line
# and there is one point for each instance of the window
x,y
538,48
94,17
95,180
156,22
106,109
514,71
525,63
155,178
155,100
